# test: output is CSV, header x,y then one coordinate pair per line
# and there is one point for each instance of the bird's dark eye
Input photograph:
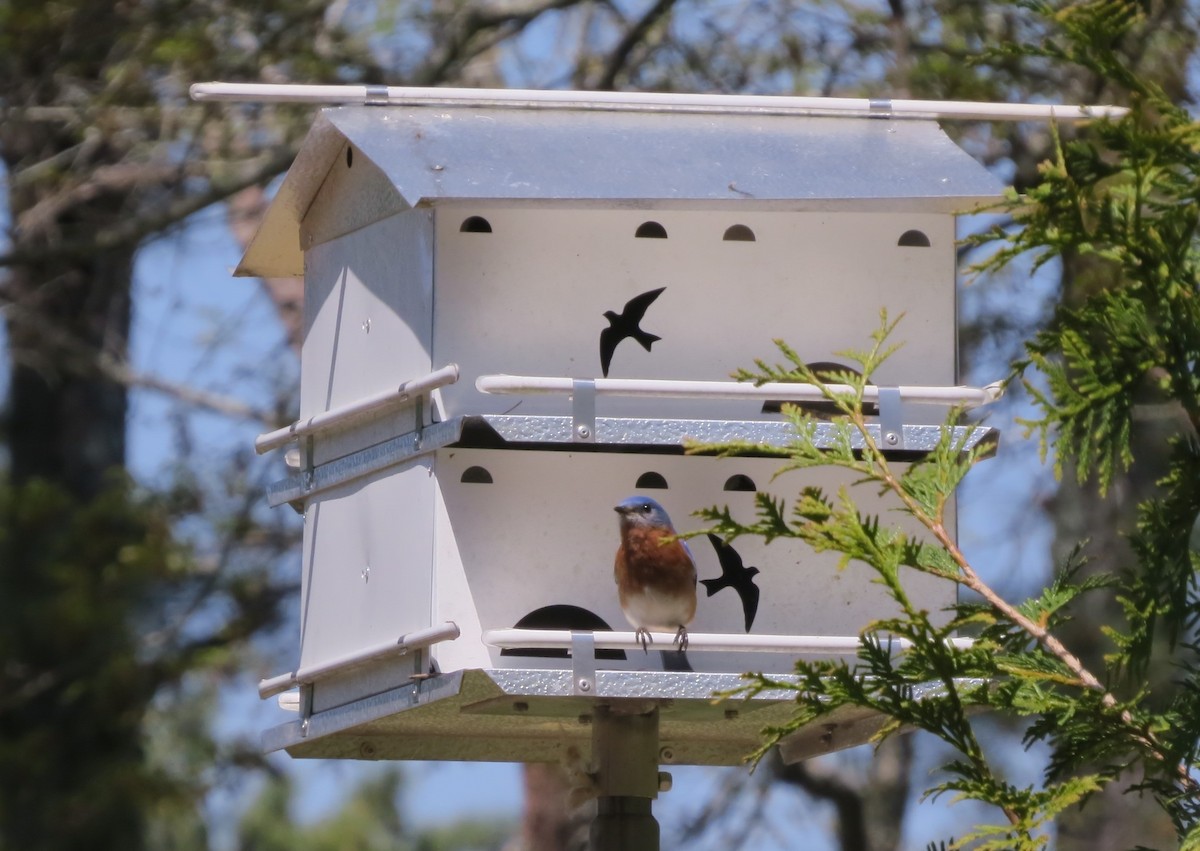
x,y
646,509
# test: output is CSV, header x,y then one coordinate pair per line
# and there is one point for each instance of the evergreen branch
x,y
968,577
1119,206
1032,672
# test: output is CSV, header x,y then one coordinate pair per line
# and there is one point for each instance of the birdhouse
x,y
516,316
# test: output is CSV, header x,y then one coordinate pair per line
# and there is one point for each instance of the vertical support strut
x,y
625,754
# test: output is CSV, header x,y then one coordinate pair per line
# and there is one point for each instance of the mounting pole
x,y
625,753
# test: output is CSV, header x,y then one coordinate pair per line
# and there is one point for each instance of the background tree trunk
x,y
66,418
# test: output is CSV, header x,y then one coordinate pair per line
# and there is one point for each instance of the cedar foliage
x,y
1123,193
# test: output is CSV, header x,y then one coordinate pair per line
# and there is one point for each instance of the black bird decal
x,y
735,576
626,324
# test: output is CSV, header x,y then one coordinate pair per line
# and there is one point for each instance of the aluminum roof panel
x,y
437,154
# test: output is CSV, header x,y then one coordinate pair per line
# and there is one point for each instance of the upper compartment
x,y
583,244
653,160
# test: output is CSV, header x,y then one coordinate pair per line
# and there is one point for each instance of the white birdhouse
x,y
515,316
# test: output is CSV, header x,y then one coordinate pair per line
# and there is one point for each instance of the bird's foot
x,y
643,635
681,638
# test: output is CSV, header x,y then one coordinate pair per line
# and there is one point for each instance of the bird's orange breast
x,y
644,561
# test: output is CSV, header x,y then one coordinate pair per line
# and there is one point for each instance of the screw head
x,y
583,431
827,735
585,685
666,755
891,438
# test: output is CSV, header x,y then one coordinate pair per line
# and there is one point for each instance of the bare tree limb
x,y
122,177
636,34
157,219
467,40
215,402
88,357
846,799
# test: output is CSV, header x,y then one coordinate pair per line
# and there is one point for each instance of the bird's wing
x,y
748,591
609,338
636,307
731,562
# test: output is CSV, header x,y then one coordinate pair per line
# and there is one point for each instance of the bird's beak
x,y
620,509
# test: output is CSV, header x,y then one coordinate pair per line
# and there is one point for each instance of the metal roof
x,y
644,159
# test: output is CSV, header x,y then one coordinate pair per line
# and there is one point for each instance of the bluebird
x,y
735,575
626,324
656,576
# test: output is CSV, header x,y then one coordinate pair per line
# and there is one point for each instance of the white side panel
x,y
368,556
544,533
368,320
529,298
368,546
454,591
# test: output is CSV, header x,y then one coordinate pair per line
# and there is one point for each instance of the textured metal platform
x,y
538,716
611,434
673,435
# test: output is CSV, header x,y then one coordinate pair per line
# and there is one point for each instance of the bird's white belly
x,y
652,610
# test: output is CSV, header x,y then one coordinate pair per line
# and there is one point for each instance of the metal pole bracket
x,y
583,410
583,664
891,418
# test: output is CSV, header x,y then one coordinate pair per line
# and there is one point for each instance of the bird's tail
x,y
675,660
645,338
712,586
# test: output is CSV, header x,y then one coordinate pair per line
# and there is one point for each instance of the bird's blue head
x,y
642,511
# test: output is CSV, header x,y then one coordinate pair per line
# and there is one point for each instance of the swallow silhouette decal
x,y
736,576
626,324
